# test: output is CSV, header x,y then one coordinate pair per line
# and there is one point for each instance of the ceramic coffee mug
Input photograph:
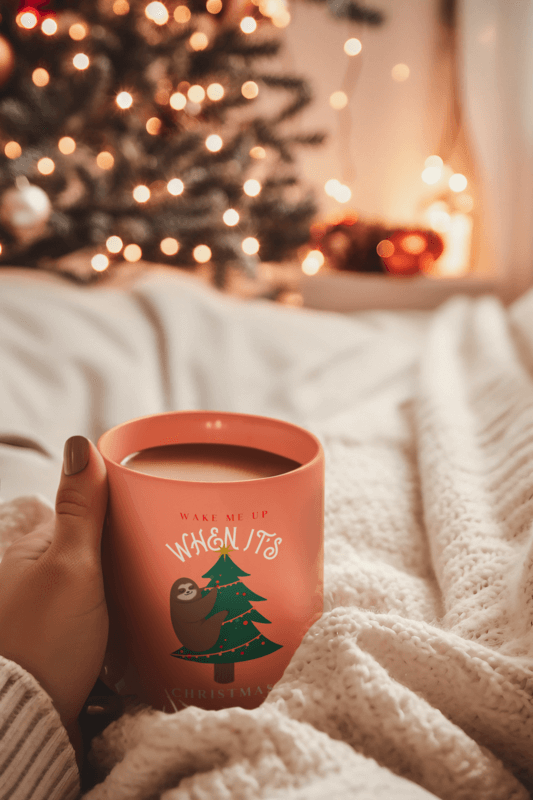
x,y
210,584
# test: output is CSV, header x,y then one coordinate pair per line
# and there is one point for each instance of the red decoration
x,y
350,244
406,252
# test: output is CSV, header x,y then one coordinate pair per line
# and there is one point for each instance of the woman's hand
x,y
53,613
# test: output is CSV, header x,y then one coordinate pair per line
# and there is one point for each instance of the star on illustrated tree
x,y
239,639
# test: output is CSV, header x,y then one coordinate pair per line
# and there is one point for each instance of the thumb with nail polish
x,y
53,614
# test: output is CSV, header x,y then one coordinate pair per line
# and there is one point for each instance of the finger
x,y
81,498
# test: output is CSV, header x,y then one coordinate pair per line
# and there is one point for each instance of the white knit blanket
x,y
418,679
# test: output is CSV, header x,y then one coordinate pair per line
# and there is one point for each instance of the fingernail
x,y
76,454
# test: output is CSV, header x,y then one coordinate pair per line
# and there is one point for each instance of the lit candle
x,y
208,461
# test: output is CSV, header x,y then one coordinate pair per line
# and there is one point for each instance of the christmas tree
x,y
239,639
128,130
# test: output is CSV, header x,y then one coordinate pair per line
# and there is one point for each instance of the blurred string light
x,y
338,100
400,72
132,252
312,262
250,89
124,100
177,101
46,166
114,244
121,7
198,41
215,91
157,12
196,93
214,6
66,145
175,187
78,31
250,246
182,14
339,191
169,246
141,194
40,77
231,217
27,18
258,152
202,253
214,143
99,262
105,160
251,187
13,150
81,61
49,26
248,25
352,47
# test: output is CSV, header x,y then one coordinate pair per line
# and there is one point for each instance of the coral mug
x,y
212,555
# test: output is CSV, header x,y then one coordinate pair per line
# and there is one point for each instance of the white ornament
x,y
25,209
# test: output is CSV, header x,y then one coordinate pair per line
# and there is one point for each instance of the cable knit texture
x,y
417,681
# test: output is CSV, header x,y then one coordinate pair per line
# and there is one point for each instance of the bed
x,y
417,681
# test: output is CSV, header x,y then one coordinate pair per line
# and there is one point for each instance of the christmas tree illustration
x,y
239,639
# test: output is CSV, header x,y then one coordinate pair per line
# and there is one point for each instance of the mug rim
x,y
106,440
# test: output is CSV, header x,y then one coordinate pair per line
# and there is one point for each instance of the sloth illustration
x,y
188,611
